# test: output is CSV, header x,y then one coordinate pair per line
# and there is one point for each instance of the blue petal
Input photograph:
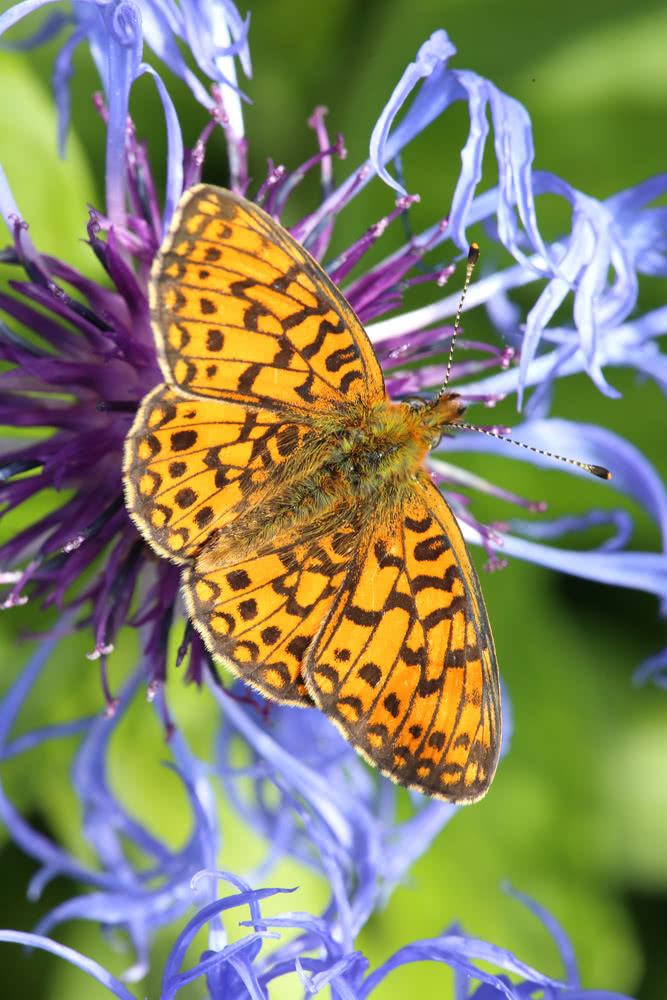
x,y
329,803
174,185
514,154
88,965
16,13
637,570
631,472
120,44
617,237
48,29
216,33
431,58
582,264
653,668
62,74
644,229
11,215
116,30
562,940
185,938
53,858
458,951
163,27
558,526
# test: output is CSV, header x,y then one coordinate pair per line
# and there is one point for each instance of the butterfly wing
x,y
259,615
241,312
405,663
193,465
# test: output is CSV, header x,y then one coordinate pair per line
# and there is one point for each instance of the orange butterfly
x,y
320,563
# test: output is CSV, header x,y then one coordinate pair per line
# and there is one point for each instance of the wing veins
x,y
413,693
276,336
245,361
257,282
297,625
251,219
335,298
365,646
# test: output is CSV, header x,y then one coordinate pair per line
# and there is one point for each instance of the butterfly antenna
x,y
473,254
595,470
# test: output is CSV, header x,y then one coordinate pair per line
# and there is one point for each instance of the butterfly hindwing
x,y
193,465
242,312
258,616
405,664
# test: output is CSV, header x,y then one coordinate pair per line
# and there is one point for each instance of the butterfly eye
x,y
415,403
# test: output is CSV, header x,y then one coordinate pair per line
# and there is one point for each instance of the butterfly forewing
x,y
405,664
242,312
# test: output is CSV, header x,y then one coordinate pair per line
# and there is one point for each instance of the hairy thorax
x,y
352,469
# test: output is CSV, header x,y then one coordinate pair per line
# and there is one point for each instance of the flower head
x,y
79,364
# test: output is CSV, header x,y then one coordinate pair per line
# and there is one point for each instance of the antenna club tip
x,y
600,471
473,253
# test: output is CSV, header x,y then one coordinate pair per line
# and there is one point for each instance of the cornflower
x,y
80,365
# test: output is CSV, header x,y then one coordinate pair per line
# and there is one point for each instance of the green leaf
x,y
52,194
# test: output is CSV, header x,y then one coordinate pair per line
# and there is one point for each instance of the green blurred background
x,y
577,814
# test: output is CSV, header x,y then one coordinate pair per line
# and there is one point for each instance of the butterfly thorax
x,y
385,444
355,468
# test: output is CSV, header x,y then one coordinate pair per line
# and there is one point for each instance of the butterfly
x,y
319,561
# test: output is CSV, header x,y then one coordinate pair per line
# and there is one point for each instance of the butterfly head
x,y
447,408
